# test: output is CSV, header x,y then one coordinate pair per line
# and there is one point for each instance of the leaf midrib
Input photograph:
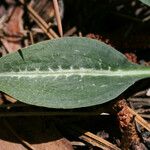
x,y
70,72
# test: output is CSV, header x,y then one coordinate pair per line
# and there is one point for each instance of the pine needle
x,y
58,18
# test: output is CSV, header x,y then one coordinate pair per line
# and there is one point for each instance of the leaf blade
x,y
68,73
147,2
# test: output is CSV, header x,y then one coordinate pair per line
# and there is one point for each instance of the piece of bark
x,y
11,46
14,26
13,30
130,138
2,51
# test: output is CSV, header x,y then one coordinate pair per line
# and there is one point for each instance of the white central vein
x,y
70,72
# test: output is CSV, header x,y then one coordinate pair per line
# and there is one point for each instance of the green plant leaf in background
x,y
67,73
147,2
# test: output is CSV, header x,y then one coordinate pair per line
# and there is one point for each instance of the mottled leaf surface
x,y
68,73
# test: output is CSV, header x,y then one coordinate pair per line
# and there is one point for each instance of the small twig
x,y
70,31
140,120
94,137
146,19
142,100
41,26
26,42
77,143
92,142
80,34
31,37
9,98
58,18
75,131
2,20
139,102
127,17
37,30
145,116
141,93
101,140
17,136
142,111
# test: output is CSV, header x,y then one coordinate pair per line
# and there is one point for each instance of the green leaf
x,y
68,73
147,2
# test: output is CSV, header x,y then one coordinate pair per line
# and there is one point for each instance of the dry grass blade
x,y
145,116
142,100
141,93
58,18
77,143
101,140
31,37
29,146
92,142
42,24
88,137
71,31
140,120
9,98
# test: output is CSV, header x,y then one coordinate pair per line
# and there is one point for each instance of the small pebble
x,y
148,92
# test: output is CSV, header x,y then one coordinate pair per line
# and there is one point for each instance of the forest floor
x,y
122,24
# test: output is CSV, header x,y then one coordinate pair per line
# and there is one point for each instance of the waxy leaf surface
x,y
68,73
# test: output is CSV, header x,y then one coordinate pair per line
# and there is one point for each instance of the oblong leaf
x,y
68,73
147,2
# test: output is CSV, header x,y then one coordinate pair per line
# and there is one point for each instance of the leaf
x,y
68,73
147,2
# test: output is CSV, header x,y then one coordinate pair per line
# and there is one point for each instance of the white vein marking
x,y
70,72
